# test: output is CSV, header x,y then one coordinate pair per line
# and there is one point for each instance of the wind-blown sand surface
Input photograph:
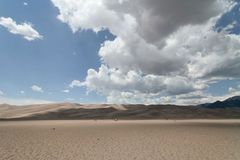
x,y
73,111
120,140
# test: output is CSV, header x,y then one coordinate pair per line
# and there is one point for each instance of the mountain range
x,y
233,102
230,108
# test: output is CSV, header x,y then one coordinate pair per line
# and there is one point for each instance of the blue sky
x,y
51,63
67,51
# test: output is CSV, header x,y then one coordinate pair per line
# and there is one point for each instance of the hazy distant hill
x,y
233,102
60,111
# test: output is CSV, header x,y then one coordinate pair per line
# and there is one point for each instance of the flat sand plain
x,y
120,140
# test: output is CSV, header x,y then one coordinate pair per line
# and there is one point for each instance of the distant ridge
x,y
72,111
233,102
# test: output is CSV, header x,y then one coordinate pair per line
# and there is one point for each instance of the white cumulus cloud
x,y
75,83
36,88
24,29
65,91
164,50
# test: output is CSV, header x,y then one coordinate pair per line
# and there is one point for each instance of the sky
x,y
119,51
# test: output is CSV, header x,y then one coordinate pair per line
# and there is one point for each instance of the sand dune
x,y
9,111
64,111
121,140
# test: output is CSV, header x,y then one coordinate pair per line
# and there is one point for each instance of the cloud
x,y
25,3
163,48
231,90
166,16
65,91
36,88
22,92
106,80
199,97
23,101
70,99
75,83
24,29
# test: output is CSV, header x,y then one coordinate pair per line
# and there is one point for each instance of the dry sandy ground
x,y
120,140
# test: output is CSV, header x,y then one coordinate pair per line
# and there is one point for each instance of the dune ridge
x,y
60,111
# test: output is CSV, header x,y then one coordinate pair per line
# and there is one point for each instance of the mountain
x,y
233,102
72,111
235,98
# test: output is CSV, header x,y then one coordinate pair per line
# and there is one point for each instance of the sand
x,y
120,140
9,111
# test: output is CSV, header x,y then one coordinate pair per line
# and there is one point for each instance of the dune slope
x,y
113,111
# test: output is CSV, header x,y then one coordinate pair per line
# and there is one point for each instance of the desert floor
x,y
120,140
